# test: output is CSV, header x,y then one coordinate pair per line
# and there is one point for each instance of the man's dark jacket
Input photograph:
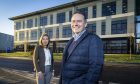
x,y
83,65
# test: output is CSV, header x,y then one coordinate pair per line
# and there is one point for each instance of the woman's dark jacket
x,y
39,59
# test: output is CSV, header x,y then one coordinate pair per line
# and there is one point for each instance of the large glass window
x,y
34,35
18,25
23,24
138,34
61,17
70,15
138,30
57,33
94,11
109,9
49,32
43,20
29,23
91,28
67,32
119,27
103,28
115,46
36,22
124,6
138,27
51,19
21,36
84,11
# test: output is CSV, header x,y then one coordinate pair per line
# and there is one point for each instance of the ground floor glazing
x,y
111,46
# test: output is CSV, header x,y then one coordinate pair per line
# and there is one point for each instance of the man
x,y
83,56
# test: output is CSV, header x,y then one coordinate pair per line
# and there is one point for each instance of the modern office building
x,y
6,42
115,21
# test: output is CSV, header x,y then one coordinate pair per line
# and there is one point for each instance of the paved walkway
x,y
28,76
110,71
23,74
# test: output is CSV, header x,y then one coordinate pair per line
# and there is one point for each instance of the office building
x,y
6,42
115,21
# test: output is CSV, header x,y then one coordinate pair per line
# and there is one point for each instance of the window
x,y
138,30
70,15
23,24
40,32
67,32
29,23
84,11
43,20
21,36
109,9
61,17
92,28
36,23
124,6
119,27
115,46
34,35
103,28
49,32
94,11
18,25
51,19
57,33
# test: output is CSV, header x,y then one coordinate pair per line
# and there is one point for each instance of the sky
x,y
11,8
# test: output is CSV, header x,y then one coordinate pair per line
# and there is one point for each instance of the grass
x,y
16,54
58,56
122,58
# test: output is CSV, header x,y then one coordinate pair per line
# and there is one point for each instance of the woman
x,y
43,60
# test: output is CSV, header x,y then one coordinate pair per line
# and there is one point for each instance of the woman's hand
x,y
40,75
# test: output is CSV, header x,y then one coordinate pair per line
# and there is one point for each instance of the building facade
x,y
6,42
113,20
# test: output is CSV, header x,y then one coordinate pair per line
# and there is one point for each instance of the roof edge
x,y
51,9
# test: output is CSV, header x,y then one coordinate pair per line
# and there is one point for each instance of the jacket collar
x,y
80,39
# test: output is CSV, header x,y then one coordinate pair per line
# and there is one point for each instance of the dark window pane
x,y
34,35
21,36
67,32
43,21
29,23
92,28
51,19
57,33
115,46
103,28
94,11
36,22
109,9
18,25
49,32
61,17
119,27
124,6
84,11
23,24
70,15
